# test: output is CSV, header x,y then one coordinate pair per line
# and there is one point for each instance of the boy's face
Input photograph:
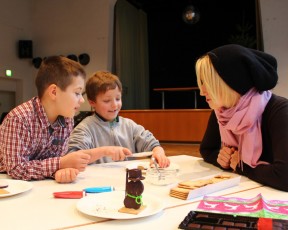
x,y
69,101
108,104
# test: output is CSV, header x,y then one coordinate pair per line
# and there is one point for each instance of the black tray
x,y
216,221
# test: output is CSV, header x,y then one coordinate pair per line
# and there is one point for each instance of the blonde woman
x,y
248,128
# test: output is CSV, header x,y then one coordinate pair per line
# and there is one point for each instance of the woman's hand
x,y
224,157
66,175
234,160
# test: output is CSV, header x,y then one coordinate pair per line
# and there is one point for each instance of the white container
x,y
167,176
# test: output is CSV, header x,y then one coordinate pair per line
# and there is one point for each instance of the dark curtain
x,y
131,62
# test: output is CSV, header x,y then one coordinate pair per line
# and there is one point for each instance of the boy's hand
x,y
78,160
117,153
159,155
224,157
66,175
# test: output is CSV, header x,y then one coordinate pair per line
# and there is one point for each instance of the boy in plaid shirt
x,y
34,135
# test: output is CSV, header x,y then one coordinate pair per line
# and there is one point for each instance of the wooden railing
x,y
163,90
178,125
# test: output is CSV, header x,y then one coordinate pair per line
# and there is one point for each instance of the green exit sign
x,y
8,73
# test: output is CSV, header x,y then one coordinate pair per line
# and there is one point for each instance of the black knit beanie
x,y
243,68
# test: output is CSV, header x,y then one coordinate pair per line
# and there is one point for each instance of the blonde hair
x,y
217,88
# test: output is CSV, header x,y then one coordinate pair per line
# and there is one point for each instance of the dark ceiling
x,y
175,45
151,5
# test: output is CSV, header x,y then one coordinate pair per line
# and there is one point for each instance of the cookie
x,y
3,191
180,190
223,176
131,210
193,184
179,196
141,167
180,193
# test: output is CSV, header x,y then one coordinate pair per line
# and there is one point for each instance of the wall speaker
x,y
37,62
25,49
73,57
84,59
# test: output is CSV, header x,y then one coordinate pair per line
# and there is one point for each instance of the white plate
x,y
107,204
142,154
15,187
146,165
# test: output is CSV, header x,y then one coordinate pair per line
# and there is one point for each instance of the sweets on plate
x,y
133,193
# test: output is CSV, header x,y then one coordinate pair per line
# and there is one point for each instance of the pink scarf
x,y
240,126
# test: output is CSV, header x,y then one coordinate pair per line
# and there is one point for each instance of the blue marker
x,y
99,189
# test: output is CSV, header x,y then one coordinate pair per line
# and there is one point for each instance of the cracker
x,y
180,193
187,187
141,167
198,183
182,197
132,210
223,176
181,190
3,191
215,180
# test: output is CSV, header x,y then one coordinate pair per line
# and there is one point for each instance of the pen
x,y
99,189
80,194
69,194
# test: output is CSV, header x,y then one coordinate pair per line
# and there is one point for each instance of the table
x,y
38,209
163,90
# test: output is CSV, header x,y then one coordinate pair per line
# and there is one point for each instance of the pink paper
x,y
256,207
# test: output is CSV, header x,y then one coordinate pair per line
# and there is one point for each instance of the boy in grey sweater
x,y
114,136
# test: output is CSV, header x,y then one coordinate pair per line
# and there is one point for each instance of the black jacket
x,y
275,145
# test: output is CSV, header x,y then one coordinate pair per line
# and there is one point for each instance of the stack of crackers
x,y
183,188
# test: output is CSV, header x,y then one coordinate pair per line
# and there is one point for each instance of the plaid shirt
x,y
30,147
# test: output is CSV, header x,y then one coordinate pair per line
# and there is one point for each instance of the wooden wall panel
x,y
179,125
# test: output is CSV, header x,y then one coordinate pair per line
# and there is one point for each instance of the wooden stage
x,y
175,125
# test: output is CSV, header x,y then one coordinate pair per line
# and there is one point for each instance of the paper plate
x,y
106,205
14,187
142,154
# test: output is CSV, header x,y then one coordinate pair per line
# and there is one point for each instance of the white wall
x,y
74,27
13,29
55,27
275,36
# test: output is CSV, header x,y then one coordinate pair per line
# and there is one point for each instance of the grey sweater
x,y
93,132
